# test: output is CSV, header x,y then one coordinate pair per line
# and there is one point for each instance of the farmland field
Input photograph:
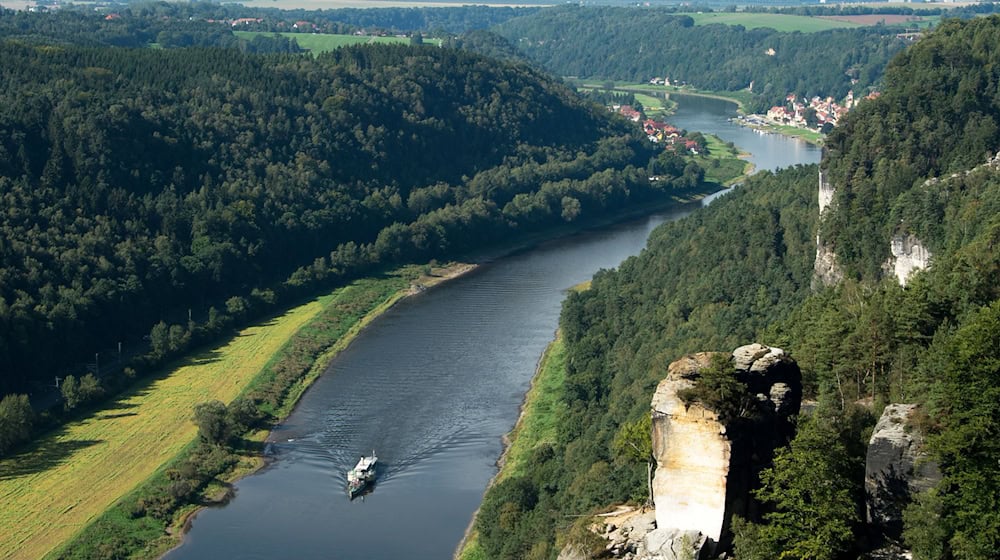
x,y
53,489
779,22
324,42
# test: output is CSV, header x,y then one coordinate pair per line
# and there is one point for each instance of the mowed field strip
x,y
778,22
54,488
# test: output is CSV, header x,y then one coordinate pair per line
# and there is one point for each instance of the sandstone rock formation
x,y
826,271
705,470
896,468
908,256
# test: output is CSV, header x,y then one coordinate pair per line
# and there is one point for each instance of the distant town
x,y
817,114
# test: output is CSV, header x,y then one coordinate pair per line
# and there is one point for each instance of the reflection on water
x,y
432,387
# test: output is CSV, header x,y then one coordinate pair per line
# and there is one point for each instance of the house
x,y
659,131
780,114
304,26
630,113
245,21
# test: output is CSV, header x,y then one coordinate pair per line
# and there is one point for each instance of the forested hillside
x,y
197,186
175,24
638,44
939,114
739,271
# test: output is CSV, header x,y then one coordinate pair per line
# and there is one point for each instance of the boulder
x,y
896,468
673,544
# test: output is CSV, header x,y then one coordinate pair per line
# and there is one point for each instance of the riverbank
x,y
225,364
535,427
739,98
760,123
430,276
69,495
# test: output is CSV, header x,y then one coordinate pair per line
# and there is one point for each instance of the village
x,y
667,135
815,114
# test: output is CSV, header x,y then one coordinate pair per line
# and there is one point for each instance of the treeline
x,y
139,522
647,43
174,192
207,24
130,28
740,270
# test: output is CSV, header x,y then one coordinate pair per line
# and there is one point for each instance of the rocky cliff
x,y
826,271
706,469
896,468
909,254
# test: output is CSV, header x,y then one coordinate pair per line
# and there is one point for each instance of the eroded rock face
x,y
705,470
896,468
692,455
826,271
908,256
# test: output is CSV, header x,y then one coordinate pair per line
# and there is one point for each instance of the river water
x,y
431,386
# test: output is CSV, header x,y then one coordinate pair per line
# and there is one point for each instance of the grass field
x,y
537,425
324,42
655,106
67,479
779,22
722,164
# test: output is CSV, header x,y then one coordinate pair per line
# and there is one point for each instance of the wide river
x,y
432,387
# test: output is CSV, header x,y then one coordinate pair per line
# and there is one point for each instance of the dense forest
x,y
163,191
639,44
739,271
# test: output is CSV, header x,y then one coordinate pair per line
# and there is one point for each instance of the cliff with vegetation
x,y
915,161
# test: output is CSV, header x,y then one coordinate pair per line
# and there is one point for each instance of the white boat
x,y
362,473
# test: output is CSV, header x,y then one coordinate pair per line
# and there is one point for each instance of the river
x,y
431,386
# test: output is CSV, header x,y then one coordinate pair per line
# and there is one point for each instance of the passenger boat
x,y
362,473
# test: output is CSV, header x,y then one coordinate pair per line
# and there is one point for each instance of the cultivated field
x,y
779,22
324,42
52,490
886,19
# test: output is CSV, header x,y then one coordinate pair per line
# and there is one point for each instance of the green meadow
x,y
778,22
